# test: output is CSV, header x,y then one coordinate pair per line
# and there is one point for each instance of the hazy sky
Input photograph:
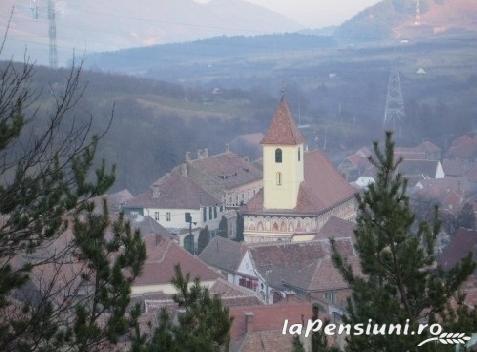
x,y
315,13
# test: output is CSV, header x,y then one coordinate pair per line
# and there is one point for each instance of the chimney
x,y
184,169
188,156
199,153
289,296
205,154
249,322
227,148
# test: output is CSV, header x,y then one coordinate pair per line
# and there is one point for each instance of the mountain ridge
x,y
396,19
96,25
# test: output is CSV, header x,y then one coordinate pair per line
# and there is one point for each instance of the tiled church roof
x,y
322,189
283,129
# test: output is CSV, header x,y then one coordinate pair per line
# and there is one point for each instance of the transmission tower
x,y
417,22
52,34
394,112
35,8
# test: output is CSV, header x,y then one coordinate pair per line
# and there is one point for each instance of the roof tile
x,y
283,129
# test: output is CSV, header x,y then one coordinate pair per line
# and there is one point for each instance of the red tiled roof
x,y
336,227
162,255
173,192
303,265
464,147
268,317
265,341
471,175
323,188
283,129
429,147
233,295
454,167
227,169
223,253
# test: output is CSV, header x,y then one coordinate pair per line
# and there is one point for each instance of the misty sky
x,y
315,13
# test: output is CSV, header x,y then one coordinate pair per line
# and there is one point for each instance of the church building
x,y
301,188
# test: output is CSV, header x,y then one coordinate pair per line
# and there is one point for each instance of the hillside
x,y
100,25
396,19
339,90
155,123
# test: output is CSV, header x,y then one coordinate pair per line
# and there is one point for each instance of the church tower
x,y
283,166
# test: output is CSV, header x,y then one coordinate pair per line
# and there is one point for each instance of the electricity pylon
x,y
52,34
394,111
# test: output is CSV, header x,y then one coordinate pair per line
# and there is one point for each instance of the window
x,y
210,213
330,297
215,212
221,208
168,216
205,214
279,178
299,153
278,155
156,215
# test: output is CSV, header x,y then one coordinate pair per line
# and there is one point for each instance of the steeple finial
x,y
283,91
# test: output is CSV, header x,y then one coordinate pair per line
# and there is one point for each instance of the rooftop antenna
x,y
394,111
417,22
52,34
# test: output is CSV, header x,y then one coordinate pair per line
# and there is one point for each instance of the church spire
x,y
283,130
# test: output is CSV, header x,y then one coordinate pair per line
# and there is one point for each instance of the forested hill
x,y
155,123
207,51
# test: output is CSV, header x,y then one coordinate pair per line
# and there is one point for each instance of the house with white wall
x,y
171,198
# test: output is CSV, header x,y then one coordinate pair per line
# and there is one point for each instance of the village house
x,y
418,169
464,147
259,328
276,270
448,192
163,255
426,150
225,255
231,178
179,204
357,165
336,228
301,189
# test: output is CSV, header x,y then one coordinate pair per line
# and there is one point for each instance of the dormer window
x,y
155,192
278,155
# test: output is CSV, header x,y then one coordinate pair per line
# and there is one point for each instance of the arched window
x,y
279,178
278,155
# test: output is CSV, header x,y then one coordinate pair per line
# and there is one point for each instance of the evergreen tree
x,y
223,227
203,325
466,217
64,279
203,239
401,280
240,228
319,341
297,345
